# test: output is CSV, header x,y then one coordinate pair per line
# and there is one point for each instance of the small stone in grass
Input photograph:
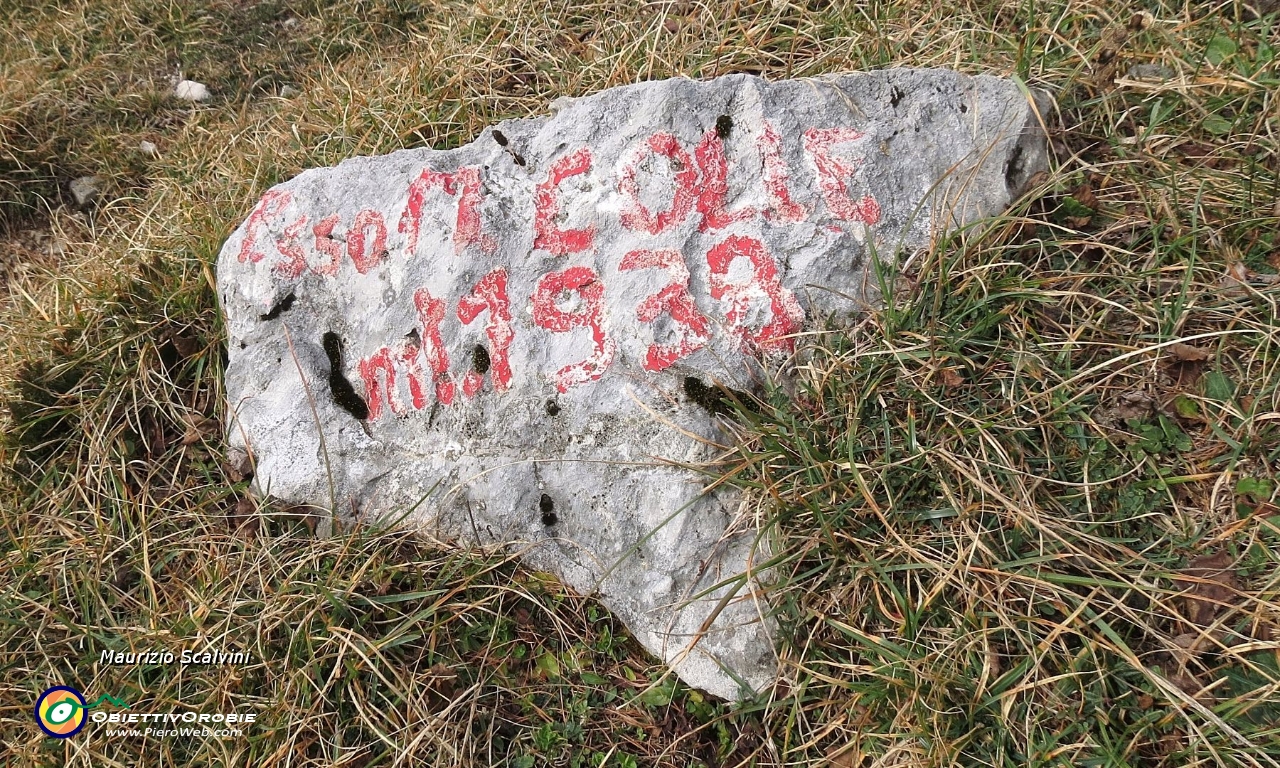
x,y
190,90
149,149
85,190
1153,72
288,92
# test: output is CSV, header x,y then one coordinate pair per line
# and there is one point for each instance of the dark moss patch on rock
x,y
480,359
718,400
282,306
343,393
724,126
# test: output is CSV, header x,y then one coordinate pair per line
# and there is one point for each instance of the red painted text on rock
x,y
660,183
639,218
674,300
464,184
763,283
559,287
490,295
547,234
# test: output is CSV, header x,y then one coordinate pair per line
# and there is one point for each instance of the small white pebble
x,y
149,149
288,92
190,90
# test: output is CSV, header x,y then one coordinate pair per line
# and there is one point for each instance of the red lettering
x,y
385,362
781,207
833,172
362,258
328,246
431,314
490,294
288,244
715,187
407,354
673,299
271,205
637,217
464,184
546,314
376,390
764,283
547,236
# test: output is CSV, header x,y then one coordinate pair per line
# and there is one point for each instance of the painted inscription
x,y
416,371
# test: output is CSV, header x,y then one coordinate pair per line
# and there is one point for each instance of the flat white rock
x,y
190,90
514,342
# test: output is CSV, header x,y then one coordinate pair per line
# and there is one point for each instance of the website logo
x,y
60,711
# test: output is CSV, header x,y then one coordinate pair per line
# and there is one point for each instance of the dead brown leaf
x,y
154,439
185,342
198,427
1187,683
1205,155
1134,404
1077,222
844,757
1214,589
1189,354
1084,193
1185,364
243,519
1039,178
951,378
443,683
1236,278
310,516
238,467
1184,376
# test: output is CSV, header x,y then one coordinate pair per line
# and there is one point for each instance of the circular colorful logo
x,y
60,712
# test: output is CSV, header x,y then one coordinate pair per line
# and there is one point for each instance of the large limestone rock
x,y
520,341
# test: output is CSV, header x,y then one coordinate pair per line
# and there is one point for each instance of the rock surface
x,y
85,190
519,342
190,90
